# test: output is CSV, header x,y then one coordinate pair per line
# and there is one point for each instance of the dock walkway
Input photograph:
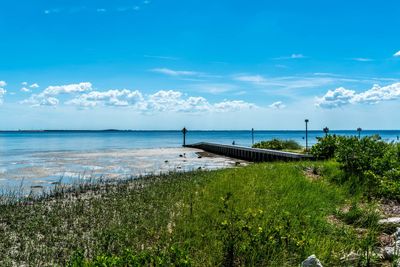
x,y
250,154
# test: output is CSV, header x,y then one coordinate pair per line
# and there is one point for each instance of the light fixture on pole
x,y
306,121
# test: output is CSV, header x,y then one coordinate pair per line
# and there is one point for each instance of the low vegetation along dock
x,y
250,154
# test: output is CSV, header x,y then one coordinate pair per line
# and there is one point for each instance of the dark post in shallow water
x,y
252,136
306,121
359,132
326,131
184,131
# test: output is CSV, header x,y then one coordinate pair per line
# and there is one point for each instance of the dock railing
x,y
250,154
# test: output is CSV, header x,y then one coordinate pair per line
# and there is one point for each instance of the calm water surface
x,y
38,154
18,143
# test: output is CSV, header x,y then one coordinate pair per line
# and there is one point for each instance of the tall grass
x,y
265,214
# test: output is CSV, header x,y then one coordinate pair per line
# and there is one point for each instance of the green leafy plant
x,y
277,144
368,163
326,147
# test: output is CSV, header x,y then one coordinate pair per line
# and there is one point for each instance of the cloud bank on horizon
x,y
83,95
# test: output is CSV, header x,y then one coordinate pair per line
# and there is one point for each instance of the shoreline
x,y
44,170
156,216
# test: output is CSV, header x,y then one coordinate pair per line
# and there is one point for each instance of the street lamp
x,y
359,132
184,131
326,131
306,121
252,136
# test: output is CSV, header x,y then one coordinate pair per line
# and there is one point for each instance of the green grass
x,y
262,215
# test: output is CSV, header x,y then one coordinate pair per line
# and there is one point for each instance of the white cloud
x,y
214,88
164,101
283,84
235,105
294,56
255,79
161,101
377,94
128,8
81,95
2,91
48,96
194,104
26,88
341,96
397,54
52,11
288,82
35,85
363,59
176,72
67,89
101,10
277,105
49,101
40,100
336,98
119,98
174,101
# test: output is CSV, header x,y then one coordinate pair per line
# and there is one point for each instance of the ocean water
x,y
19,143
43,158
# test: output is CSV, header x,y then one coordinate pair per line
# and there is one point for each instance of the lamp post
x,y
359,132
326,131
306,121
252,136
184,131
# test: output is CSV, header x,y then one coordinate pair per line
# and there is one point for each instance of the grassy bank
x,y
271,214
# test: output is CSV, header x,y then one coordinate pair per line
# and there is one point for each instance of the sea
x,y
42,158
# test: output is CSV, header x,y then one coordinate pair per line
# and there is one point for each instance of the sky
x,y
203,64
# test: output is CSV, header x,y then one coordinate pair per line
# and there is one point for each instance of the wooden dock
x,y
250,154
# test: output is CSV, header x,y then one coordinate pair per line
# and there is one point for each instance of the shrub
x,y
277,144
326,147
357,156
368,162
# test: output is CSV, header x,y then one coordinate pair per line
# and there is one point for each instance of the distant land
x,y
245,130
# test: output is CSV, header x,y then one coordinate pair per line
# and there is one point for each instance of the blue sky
x,y
131,64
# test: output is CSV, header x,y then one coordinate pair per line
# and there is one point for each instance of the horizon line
x,y
179,130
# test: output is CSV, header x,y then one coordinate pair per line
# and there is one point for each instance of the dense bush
x,y
368,162
358,156
326,147
277,144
